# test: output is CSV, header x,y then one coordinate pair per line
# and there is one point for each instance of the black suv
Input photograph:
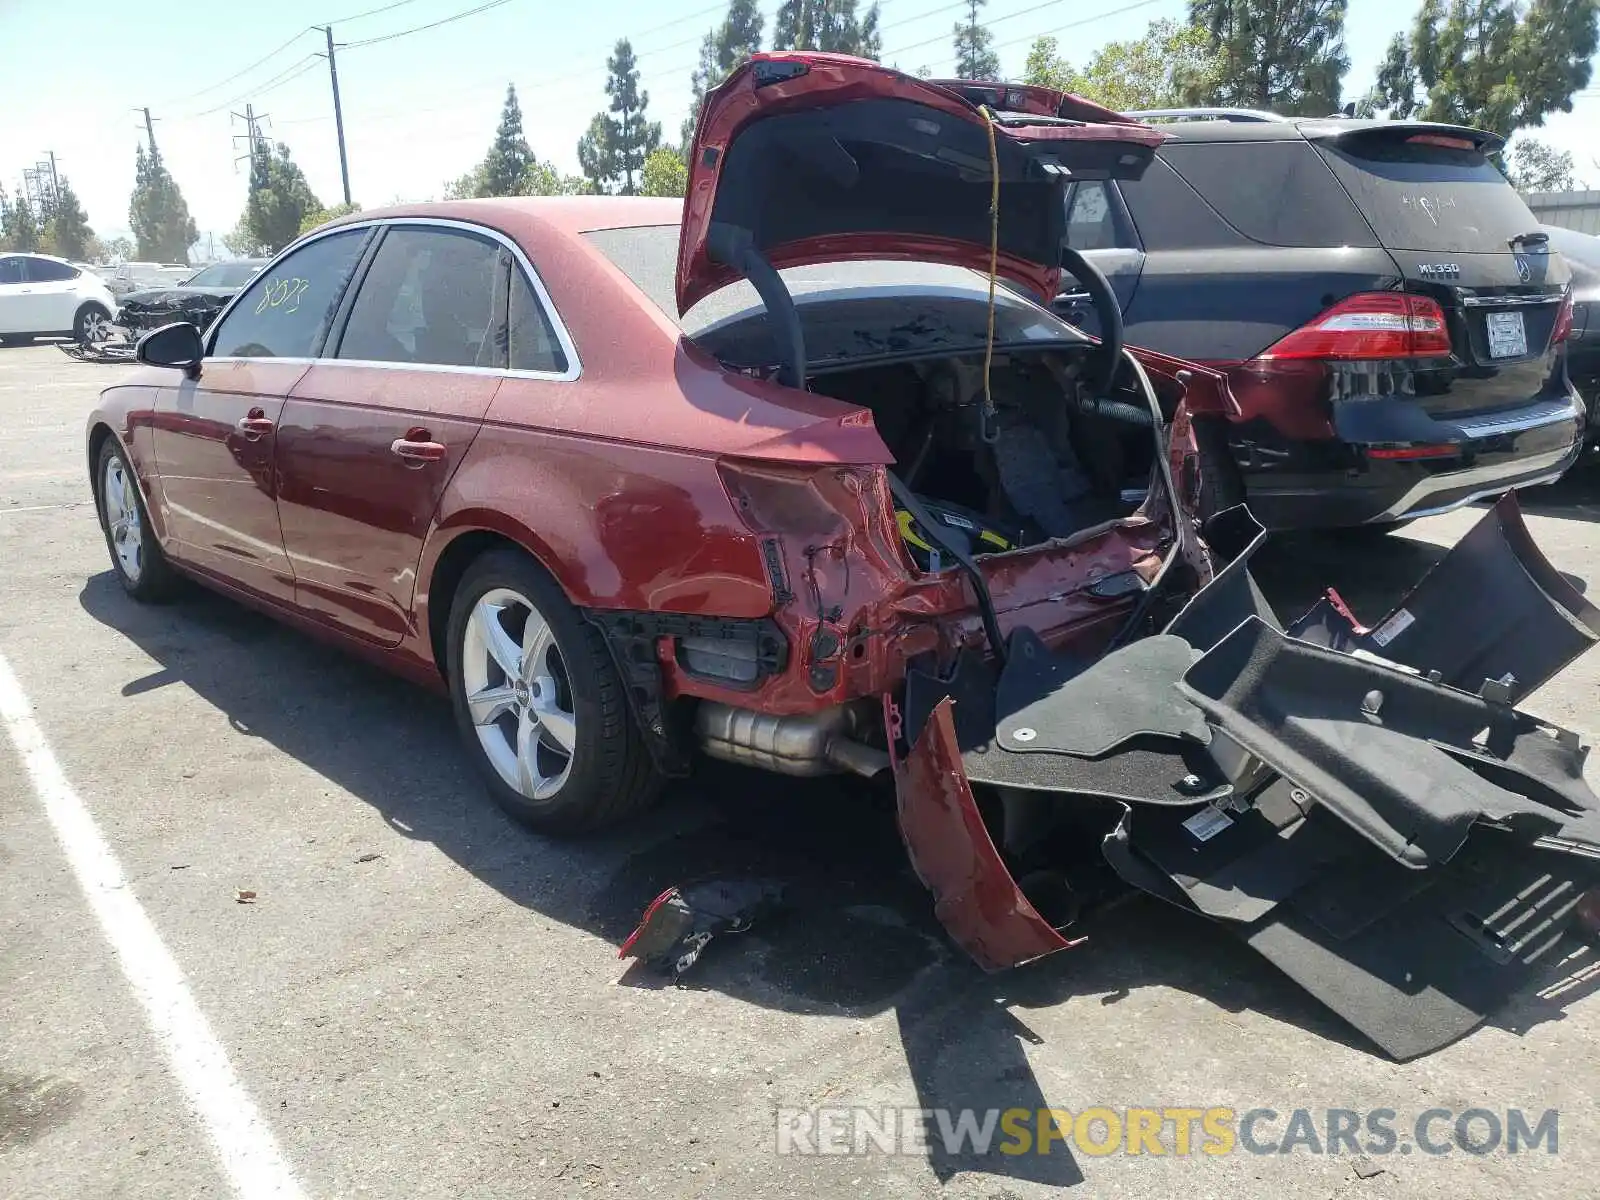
x,y
1391,316
1582,252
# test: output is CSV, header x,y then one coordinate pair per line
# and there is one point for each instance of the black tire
x,y
83,325
610,775
153,579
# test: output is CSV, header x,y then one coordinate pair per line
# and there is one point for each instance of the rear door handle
x,y
254,428
417,448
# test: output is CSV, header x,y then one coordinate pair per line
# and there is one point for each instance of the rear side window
x,y
10,270
42,270
1421,197
286,312
1276,193
1093,219
432,297
534,346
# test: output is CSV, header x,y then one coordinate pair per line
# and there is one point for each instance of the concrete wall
x,y
1572,210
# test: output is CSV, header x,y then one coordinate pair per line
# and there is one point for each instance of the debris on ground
x,y
244,896
679,922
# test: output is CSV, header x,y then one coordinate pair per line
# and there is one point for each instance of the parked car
x,y
615,474
42,296
131,276
1379,296
198,299
1582,252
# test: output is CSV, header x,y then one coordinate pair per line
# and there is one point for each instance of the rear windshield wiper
x,y
1528,239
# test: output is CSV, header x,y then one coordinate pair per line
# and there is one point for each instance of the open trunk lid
x,y
823,157
1460,234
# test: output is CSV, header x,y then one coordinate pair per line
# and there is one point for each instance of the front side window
x,y
287,311
432,297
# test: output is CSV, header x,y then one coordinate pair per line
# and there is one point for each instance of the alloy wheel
x,y
96,328
518,693
122,519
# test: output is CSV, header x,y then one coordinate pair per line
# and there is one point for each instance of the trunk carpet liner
x,y
1416,959
1048,703
1362,738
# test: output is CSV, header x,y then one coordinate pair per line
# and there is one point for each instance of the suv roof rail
x,y
1241,115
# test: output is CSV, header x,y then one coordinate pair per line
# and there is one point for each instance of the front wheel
x,y
539,703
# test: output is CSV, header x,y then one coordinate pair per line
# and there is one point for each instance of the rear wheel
x,y
92,325
136,555
539,703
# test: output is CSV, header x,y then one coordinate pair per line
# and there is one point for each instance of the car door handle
x,y
254,428
417,450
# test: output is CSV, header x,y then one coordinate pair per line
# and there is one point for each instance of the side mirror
x,y
176,345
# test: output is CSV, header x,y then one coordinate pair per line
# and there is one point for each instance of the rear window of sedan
x,y
848,310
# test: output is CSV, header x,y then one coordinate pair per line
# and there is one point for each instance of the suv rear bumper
x,y
1522,447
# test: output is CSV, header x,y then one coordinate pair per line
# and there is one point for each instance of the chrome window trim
x,y
1511,301
563,336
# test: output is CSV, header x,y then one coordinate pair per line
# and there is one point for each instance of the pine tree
x,y
162,226
1488,64
279,198
68,229
510,156
1285,56
830,25
19,228
613,151
975,56
721,52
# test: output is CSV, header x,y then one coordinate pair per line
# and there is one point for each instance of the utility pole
x,y
338,113
150,129
55,180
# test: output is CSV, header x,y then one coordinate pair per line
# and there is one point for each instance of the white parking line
x,y
245,1147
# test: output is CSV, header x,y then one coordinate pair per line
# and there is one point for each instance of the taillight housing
x,y
1369,325
1563,328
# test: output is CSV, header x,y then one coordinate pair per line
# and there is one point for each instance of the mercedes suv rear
x,y
1390,315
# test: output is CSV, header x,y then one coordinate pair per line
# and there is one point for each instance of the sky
x,y
420,110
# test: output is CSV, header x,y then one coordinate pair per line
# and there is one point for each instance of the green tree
x,y
975,56
279,198
119,248
832,25
722,50
542,179
321,216
510,155
664,173
613,150
1285,56
162,226
1491,64
19,228
68,227
1536,166
1146,73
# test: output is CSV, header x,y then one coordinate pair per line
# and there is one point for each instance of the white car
x,y
42,296
134,276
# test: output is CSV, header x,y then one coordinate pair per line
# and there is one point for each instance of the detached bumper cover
x,y
1364,807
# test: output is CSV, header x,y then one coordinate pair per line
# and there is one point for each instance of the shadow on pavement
x,y
856,935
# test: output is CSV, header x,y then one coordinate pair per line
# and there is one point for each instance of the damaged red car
x,y
801,474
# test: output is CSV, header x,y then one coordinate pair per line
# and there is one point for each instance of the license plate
x,y
1507,336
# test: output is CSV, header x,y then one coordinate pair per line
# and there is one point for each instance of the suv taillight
x,y
1369,325
1563,328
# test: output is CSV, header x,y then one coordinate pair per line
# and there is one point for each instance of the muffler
x,y
817,743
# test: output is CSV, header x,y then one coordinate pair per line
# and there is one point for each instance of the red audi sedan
x,y
801,473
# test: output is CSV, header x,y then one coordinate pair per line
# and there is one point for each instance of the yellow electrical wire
x,y
994,262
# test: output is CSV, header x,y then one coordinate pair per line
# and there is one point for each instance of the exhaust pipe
x,y
808,744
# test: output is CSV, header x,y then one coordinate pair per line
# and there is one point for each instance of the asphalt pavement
x,y
423,1000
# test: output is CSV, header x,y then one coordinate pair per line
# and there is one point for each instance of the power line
x,y
239,74
287,75
400,33
371,12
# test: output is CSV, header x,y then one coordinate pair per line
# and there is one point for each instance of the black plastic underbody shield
x,y
1409,851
